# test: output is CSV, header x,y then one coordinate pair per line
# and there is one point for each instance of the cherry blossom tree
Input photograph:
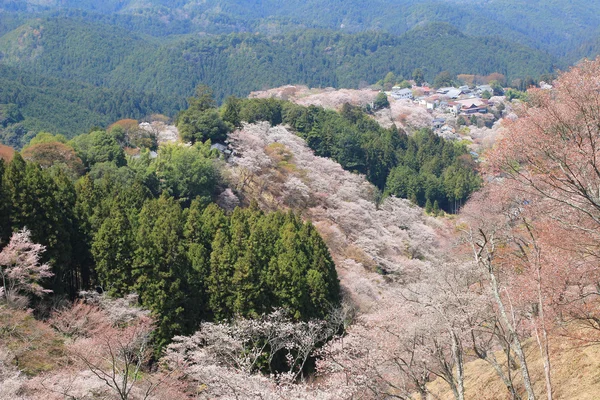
x,y
20,268
110,347
227,358
550,158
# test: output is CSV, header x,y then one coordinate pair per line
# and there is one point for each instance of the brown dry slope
x,y
576,374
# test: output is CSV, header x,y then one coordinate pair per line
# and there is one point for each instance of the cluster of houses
x,y
458,101
446,104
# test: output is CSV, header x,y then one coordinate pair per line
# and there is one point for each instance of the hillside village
x,y
452,107
471,114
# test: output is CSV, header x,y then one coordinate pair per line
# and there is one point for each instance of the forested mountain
x,y
56,60
31,102
239,63
541,23
164,49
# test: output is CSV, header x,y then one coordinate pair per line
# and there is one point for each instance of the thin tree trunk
x,y
507,380
486,261
457,353
516,343
542,342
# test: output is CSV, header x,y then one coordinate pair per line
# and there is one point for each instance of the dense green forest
x,y
30,103
540,23
53,68
148,225
239,63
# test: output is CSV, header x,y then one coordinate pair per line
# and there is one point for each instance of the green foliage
x,y
381,101
512,94
238,63
31,102
98,147
113,250
44,201
200,126
443,79
541,23
498,89
230,112
149,226
186,172
418,76
47,137
201,121
159,265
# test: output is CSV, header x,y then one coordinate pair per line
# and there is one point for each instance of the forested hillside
x,y
147,225
265,269
30,103
542,23
59,63
432,172
165,235
239,63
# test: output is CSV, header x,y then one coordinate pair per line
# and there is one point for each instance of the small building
x,y
439,122
454,108
484,88
444,90
472,106
399,94
454,93
222,149
431,102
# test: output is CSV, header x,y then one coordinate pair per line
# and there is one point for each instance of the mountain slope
x,y
99,54
552,25
63,106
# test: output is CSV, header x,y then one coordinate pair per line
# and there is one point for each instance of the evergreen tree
x,y
322,281
287,272
418,76
381,101
113,251
222,260
5,208
160,266
35,204
428,206
198,254
231,111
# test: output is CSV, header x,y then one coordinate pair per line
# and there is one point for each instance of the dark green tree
x,y
5,208
186,172
200,126
220,285
113,250
381,101
418,76
160,266
203,99
443,79
230,112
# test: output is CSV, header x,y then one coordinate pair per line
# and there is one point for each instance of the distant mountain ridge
x,y
164,49
99,54
552,25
